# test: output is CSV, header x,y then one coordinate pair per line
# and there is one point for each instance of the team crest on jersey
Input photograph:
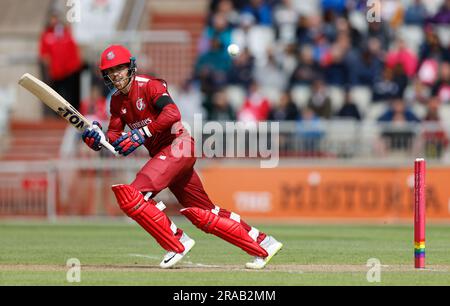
x,y
110,56
140,104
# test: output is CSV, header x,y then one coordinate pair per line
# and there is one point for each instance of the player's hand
x,y
129,142
92,136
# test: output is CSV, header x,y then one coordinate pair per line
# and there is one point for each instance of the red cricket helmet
x,y
115,55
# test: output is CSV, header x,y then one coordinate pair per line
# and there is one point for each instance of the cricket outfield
x,y
119,253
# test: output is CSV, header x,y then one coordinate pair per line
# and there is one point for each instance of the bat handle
x,y
108,146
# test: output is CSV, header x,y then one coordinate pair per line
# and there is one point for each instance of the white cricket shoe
x,y
272,246
171,258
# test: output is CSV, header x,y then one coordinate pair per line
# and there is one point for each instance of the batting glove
x,y
92,136
130,141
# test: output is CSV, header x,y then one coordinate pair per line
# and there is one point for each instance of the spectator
x,y
401,55
260,10
285,110
307,69
241,72
334,61
349,110
416,13
386,88
221,110
256,107
320,102
417,93
227,9
432,47
434,137
380,31
94,107
443,15
215,63
270,75
338,6
304,32
219,30
367,66
398,113
442,87
60,58
310,132
397,131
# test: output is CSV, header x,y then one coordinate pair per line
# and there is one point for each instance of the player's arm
x,y
168,115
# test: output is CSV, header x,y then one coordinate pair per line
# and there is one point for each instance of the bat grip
x,y
108,146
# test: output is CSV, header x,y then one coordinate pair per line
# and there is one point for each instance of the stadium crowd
x,y
400,59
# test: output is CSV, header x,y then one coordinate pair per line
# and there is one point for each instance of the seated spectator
x,y
443,14
398,113
227,9
428,72
432,47
349,110
397,131
320,102
307,69
367,66
416,13
310,132
434,136
260,10
304,33
270,74
337,6
334,61
219,30
285,110
216,63
401,55
380,31
256,107
441,88
221,108
241,72
94,107
386,88
417,93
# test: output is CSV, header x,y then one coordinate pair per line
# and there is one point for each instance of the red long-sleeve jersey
x,y
142,107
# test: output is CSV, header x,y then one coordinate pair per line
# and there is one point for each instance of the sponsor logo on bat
x,y
71,116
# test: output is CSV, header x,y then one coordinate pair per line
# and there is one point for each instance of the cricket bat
x,y
57,103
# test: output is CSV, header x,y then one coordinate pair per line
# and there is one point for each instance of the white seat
x,y
362,97
412,35
419,110
337,96
444,113
444,34
300,95
376,110
236,95
272,94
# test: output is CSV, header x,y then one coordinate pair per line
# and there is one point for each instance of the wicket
x,y
419,213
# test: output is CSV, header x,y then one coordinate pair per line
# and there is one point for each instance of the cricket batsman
x,y
144,104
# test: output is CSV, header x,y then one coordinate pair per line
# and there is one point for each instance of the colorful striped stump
x,y
419,213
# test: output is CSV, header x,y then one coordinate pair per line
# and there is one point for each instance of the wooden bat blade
x,y
57,103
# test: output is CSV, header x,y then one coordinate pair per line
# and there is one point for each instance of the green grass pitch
x,y
120,253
